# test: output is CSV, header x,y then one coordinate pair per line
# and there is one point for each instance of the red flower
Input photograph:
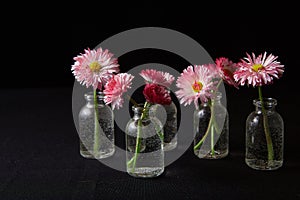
x,y
157,94
226,69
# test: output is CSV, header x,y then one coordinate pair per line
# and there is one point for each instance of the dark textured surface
x,y
40,159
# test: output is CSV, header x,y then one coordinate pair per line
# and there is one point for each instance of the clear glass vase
x,y
144,145
170,126
264,136
211,127
96,127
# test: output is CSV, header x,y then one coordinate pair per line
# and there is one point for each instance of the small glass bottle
x,y
144,144
264,136
211,127
96,128
170,126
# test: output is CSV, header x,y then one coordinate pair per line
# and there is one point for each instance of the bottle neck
x,y
267,109
140,113
93,99
268,105
215,100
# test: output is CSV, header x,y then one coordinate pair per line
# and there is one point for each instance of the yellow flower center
x,y
197,86
257,67
95,66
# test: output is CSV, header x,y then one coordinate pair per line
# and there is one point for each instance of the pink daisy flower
x,y
258,71
157,77
226,69
115,88
195,83
95,67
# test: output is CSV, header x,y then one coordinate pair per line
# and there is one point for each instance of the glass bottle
x,y
211,127
264,136
96,128
167,114
144,144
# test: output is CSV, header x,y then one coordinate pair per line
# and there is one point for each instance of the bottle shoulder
x,y
89,109
272,115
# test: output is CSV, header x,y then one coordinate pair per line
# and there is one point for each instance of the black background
x,y
40,152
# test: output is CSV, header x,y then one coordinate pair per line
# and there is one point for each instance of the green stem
x,y
212,141
138,139
218,130
132,101
198,145
159,132
218,85
211,126
216,126
137,145
96,124
266,127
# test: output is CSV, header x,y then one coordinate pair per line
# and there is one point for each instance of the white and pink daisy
x,y
95,67
157,77
226,69
195,83
258,71
115,88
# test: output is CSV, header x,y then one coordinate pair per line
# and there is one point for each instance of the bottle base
x,y
210,155
146,172
170,146
99,155
263,164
